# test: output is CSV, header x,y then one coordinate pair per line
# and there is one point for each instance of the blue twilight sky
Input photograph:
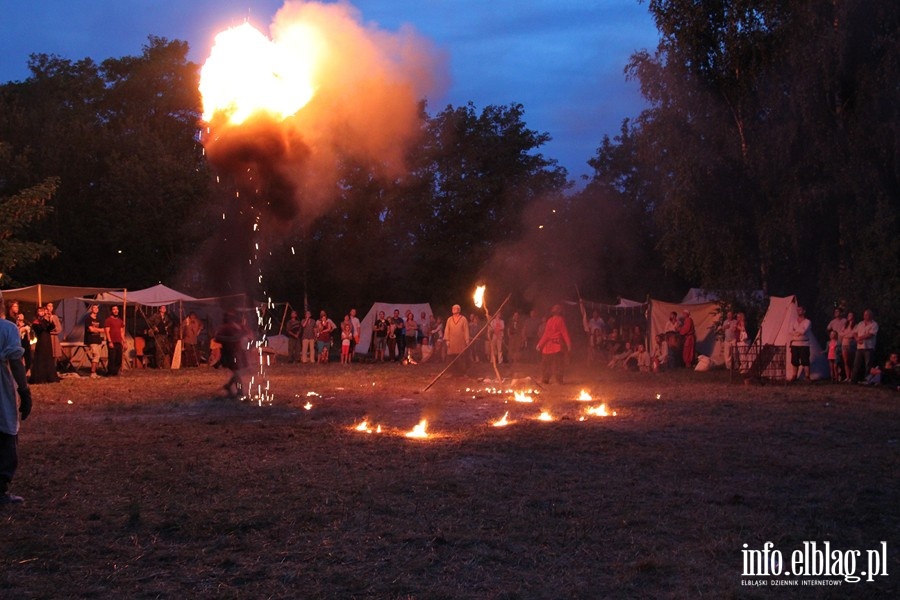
x,y
563,60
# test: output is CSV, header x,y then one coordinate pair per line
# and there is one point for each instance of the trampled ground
x,y
150,486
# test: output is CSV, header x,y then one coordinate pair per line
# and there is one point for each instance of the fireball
x,y
248,73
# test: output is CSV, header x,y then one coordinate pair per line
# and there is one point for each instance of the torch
x,y
480,302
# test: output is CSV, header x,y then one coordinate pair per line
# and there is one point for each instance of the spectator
x,y
833,351
55,333
799,333
660,360
324,329
848,345
379,336
114,329
729,341
866,332
12,377
162,328
293,329
43,366
346,339
411,333
308,338
688,338
93,337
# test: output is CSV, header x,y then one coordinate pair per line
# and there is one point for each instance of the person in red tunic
x,y
689,339
553,346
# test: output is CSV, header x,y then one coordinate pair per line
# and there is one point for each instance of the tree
x,y
121,138
20,213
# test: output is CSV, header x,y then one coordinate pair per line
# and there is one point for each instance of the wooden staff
x,y
463,353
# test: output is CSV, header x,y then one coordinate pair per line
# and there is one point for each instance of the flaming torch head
x,y
479,296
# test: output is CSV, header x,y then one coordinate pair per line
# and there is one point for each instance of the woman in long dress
x,y
43,365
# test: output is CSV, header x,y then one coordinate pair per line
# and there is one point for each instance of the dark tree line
x,y
767,159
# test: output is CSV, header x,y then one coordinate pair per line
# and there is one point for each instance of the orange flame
x,y
247,73
503,422
523,397
545,416
419,430
479,296
584,396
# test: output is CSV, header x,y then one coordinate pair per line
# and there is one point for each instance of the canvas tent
x,y
366,323
775,331
42,293
705,316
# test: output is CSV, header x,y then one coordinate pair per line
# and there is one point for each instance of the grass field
x,y
151,485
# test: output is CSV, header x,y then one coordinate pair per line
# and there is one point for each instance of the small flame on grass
x,y
503,422
584,396
308,394
658,396
599,411
308,406
545,416
523,397
419,430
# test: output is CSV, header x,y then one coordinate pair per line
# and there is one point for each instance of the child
x,y
832,355
346,336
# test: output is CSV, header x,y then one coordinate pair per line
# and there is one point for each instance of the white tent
x,y
366,323
775,331
705,317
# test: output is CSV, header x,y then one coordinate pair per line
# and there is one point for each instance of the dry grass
x,y
149,486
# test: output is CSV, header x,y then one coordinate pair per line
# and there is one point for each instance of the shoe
x,y
8,498
94,376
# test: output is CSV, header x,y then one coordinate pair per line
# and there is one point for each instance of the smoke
x,y
364,110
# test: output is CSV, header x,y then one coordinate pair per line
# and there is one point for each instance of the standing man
x,y
688,339
456,338
294,330
799,331
553,345
12,375
93,337
866,332
355,330
308,338
162,330
115,340
729,327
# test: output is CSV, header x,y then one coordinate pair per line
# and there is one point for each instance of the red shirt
x,y
555,333
114,326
